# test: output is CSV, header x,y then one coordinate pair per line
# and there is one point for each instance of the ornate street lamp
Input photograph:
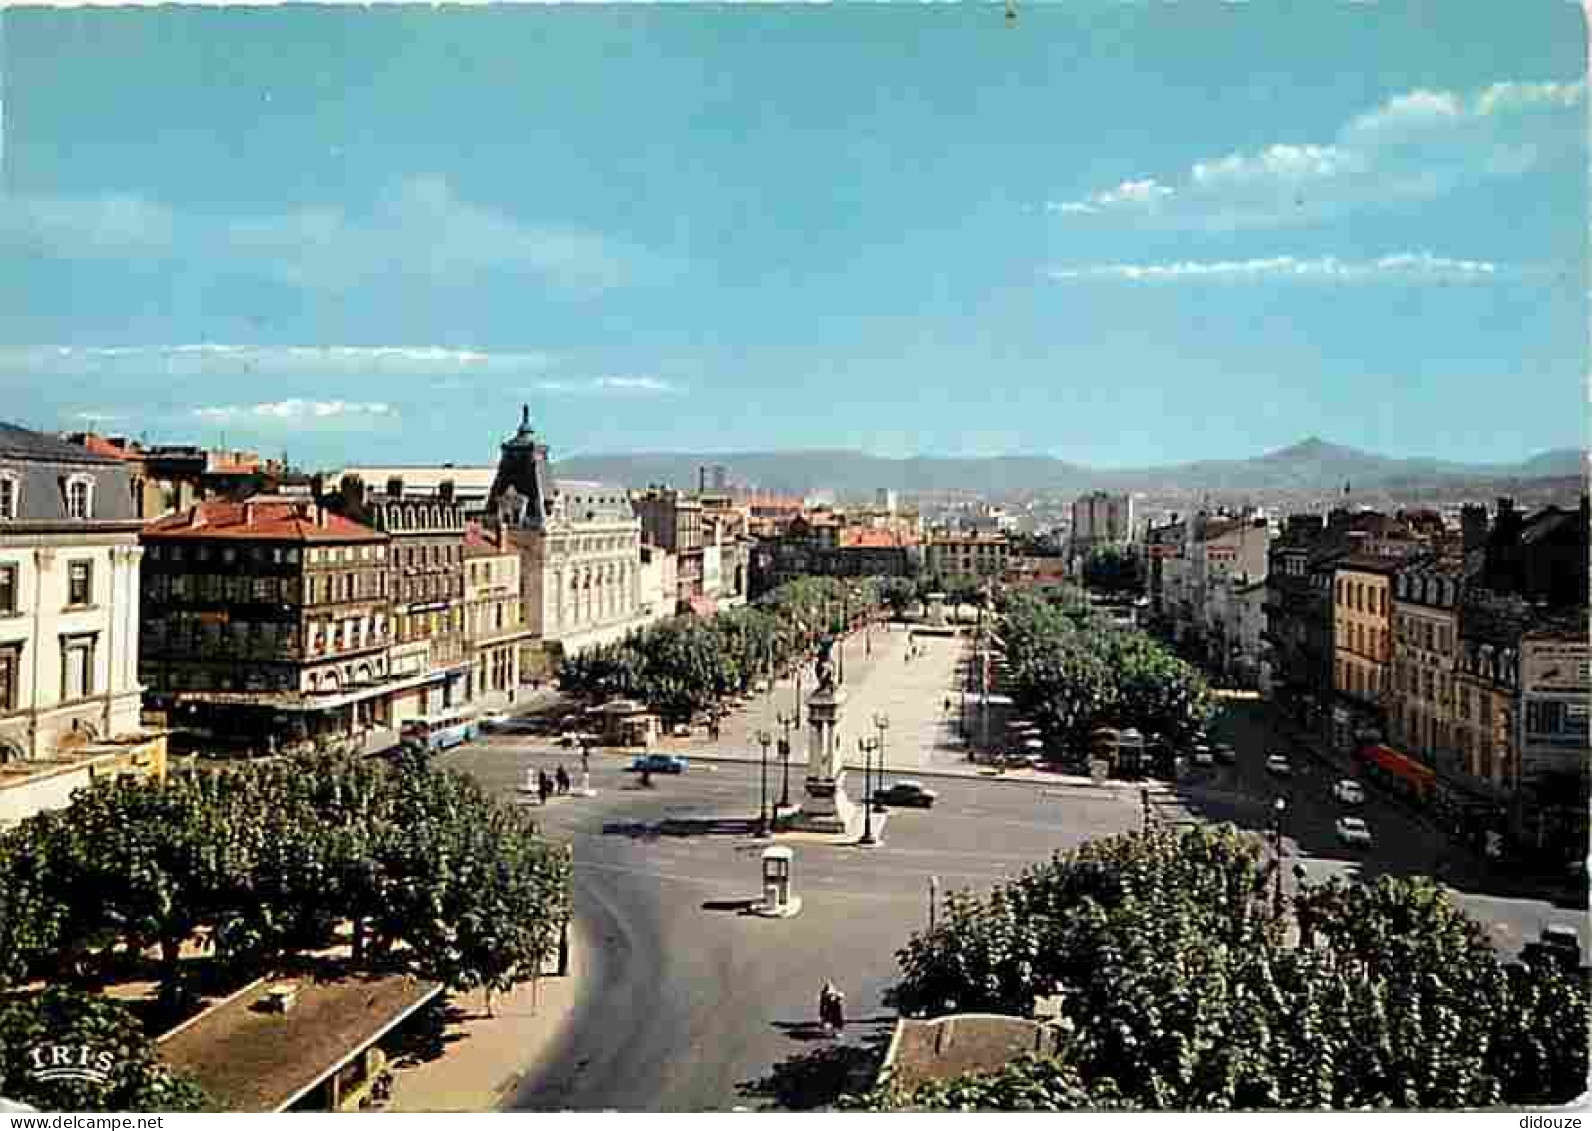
x,y
882,722
1279,810
867,747
787,724
763,826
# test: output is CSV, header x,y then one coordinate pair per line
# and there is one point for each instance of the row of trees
x,y
1073,670
1185,986
686,664
261,861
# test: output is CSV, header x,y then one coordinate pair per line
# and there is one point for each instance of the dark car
x,y
1225,754
659,764
906,795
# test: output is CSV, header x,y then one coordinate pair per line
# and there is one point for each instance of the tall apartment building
x,y
1362,618
1099,518
966,559
1427,595
425,579
267,623
672,520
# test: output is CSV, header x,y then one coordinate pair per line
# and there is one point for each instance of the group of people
x,y
547,786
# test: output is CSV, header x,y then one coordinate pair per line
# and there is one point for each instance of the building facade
x,y
425,580
1427,593
672,520
966,559
1101,518
580,553
494,618
69,565
266,626
1362,642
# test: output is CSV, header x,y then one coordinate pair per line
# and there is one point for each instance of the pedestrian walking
x,y
561,776
544,785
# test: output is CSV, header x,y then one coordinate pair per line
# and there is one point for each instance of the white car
x,y
1278,764
1354,831
1203,756
1349,792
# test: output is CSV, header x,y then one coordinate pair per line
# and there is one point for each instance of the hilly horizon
x,y
1309,464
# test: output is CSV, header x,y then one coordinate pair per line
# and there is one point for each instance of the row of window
x,y
406,517
77,670
77,493
1361,681
434,554
1428,590
1362,596
79,586
261,554
1424,633
594,545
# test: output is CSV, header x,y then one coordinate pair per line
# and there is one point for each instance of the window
x,y
79,497
79,582
77,667
10,670
8,589
10,496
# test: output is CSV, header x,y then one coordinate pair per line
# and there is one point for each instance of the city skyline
x,y
654,226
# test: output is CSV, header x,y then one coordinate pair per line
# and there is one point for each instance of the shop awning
x,y
1400,765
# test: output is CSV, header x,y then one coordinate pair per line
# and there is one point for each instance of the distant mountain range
x,y
1310,464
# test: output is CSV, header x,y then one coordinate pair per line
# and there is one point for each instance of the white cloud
x,y
1415,146
422,231
97,227
615,385
1399,267
95,418
218,359
294,410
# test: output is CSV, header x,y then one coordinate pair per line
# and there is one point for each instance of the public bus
x,y
438,732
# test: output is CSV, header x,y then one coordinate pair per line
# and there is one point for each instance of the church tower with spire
x,y
522,492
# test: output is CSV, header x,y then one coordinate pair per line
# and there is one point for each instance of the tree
x,y
1182,988
97,1034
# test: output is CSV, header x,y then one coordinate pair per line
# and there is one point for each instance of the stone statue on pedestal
x,y
825,667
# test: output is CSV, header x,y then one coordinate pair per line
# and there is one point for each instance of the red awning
x,y
1398,764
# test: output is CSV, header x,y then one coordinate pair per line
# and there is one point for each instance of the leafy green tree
x,y
91,1031
1185,987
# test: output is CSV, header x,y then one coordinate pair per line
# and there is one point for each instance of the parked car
x,y
1203,757
1278,764
906,795
1349,792
1354,831
577,738
659,764
1559,944
494,720
1225,754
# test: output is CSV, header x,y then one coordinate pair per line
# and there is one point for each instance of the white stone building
x,y
579,546
70,699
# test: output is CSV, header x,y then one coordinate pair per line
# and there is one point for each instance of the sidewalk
x,y
485,1058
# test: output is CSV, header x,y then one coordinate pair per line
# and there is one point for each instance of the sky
x,y
1122,234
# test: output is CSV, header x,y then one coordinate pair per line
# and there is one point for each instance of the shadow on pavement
x,y
740,906
817,1078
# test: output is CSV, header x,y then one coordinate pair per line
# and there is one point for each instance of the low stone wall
x,y
953,1046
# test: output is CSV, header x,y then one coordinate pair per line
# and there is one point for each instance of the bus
x,y
438,732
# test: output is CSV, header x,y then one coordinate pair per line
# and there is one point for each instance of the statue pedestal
x,y
826,809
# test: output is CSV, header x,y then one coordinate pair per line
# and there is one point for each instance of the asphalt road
x,y
1402,844
687,999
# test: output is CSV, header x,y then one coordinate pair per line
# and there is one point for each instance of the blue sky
x,y
1121,234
